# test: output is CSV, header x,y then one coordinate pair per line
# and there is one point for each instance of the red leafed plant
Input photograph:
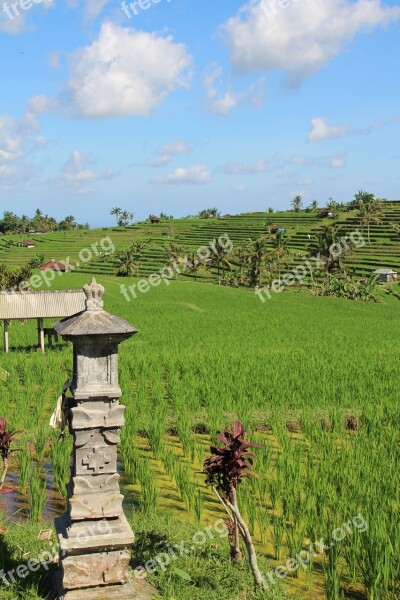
x,y
6,439
226,468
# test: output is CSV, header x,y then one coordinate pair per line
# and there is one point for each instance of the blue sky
x,y
190,104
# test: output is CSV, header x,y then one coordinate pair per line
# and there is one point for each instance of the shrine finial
x,y
94,295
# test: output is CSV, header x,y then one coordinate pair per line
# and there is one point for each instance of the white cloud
x,y
14,19
167,152
259,166
91,8
320,130
42,104
221,103
337,162
302,37
125,73
78,173
18,140
239,188
53,59
198,174
301,161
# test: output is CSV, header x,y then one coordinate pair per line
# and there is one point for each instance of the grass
x,y
206,355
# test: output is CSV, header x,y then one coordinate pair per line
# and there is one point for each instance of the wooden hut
x,y
386,275
54,265
52,304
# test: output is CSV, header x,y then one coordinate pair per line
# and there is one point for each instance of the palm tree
x,y
313,206
241,257
257,252
362,198
220,259
127,264
297,203
70,220
116,211
174,253
193,263
124,218
325,239
280,249
24,223
369,214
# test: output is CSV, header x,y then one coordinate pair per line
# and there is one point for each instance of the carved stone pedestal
x,y
94,535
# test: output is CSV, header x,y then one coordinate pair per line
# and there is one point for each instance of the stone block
x,y
92,484
90,418
91,570
95,506
96,460
88,536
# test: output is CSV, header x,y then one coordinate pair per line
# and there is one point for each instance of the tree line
x,y
12,223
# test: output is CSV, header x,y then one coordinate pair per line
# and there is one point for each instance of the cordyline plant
x,y
6,439
226,468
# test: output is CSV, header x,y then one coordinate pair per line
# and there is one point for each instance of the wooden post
x,y
6,323
41,334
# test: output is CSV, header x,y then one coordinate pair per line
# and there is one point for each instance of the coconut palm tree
x,y
126,263
175,254
325,239
220,259
280,249
116,211
313,206
361,198
297,203
369,214
257,251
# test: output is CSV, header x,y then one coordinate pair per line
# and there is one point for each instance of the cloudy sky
x,y
179,105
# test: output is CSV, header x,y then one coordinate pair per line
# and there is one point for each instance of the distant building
x,y
28,244
325,213
17,306
54,265
40,230
154,219
277,229
386,275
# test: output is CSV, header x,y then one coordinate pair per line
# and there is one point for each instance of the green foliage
x,y
205,355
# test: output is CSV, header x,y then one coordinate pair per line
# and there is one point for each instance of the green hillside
x,y
191,234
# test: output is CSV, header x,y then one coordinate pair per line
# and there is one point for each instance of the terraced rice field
x,y
382,252
315,379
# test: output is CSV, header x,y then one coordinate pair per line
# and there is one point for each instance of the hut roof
x,y
385,272
40,305
53,265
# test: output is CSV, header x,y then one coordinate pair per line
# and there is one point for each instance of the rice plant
x,y
37,496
